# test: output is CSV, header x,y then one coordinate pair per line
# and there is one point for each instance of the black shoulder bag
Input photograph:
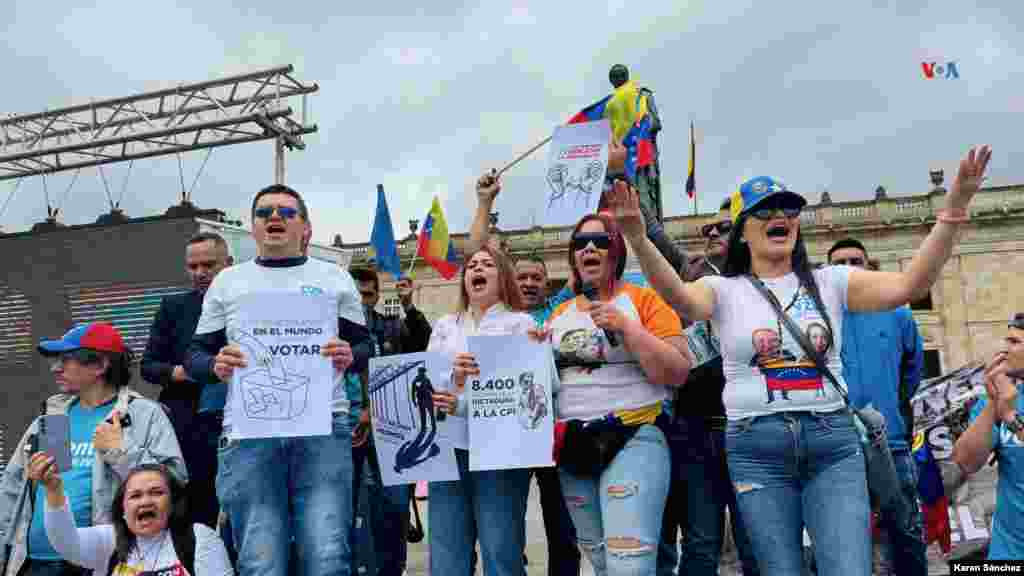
x,y
883,482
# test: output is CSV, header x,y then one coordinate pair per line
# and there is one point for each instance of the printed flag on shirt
x,y
435,247
691,181
935,503
383,238
626,111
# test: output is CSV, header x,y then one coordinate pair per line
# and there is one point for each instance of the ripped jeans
x,y
796,469
629,499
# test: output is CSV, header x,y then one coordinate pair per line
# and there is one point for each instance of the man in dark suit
x,y
196,423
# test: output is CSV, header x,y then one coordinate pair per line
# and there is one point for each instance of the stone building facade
x,y
963,320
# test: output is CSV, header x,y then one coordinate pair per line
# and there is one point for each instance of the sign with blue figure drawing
x,y
413,438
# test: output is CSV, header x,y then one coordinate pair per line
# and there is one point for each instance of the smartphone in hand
x,y
54,438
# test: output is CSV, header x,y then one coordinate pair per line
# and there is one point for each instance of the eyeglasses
x,y
768,210
723,227
81,356
601,241
858,262
286,212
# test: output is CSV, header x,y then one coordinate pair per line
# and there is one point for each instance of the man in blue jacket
x,y
882,359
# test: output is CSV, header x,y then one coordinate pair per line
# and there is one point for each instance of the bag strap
x,y
800,337
416,513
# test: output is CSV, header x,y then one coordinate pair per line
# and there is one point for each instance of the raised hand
x,y
625,206
487,187
968,178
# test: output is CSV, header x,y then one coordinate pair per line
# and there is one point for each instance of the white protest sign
x,y
511,415
285,389
412,437
577,161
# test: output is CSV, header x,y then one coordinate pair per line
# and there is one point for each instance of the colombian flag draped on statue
x,y
935,503
435,247
626,111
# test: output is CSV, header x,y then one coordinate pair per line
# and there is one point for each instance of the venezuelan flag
x,y
435,247
626,111
935,503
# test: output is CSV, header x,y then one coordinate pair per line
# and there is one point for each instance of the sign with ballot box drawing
x,y
285,389
511,414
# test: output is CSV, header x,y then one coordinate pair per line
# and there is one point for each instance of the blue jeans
x,y
624,504
697,499
489,506
902,547
279,490
800,468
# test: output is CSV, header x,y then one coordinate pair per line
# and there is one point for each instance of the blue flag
x,y
383,238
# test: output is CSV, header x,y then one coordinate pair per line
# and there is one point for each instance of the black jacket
x,y
392,335
169,337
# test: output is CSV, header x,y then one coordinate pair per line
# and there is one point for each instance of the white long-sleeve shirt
x,y
91,548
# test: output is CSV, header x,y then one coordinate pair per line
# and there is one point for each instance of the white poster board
x,y
413,439
285,389
511,414
577,160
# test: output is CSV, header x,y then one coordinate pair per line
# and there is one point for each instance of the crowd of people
x,y
649,442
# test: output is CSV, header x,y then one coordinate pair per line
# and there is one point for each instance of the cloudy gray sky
x,y
422,99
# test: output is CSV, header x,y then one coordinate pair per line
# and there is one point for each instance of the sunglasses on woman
x,y
1017,321
767,210
723,227
600,240
286,212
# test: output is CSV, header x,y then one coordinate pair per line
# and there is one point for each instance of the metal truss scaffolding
x,y
232,110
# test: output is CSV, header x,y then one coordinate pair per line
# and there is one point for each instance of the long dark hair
x,y
737,263
616,252
179,525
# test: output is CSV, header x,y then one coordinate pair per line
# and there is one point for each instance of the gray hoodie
x,y
149,439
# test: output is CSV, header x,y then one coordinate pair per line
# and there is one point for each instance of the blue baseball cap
x,y
757,190
99,336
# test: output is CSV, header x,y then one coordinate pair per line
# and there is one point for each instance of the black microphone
x,y
590,291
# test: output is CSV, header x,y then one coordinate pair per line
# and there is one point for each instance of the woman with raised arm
x,y
794,453
151,531
489,506
619,348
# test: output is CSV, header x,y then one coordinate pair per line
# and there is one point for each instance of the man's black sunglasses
x,y
859,262
601,240
723,227
767,210
1017,321
286,212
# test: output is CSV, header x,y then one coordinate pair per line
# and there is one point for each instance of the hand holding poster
x,y
511,414
577,161
286,387
414,440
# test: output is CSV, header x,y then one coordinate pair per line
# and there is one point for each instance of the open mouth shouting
x,y
778,231
590,264
478,283
275,228
145,515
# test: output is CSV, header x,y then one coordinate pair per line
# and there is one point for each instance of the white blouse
x,y
92,547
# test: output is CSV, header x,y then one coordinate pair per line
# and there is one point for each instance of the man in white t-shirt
x,y
280,493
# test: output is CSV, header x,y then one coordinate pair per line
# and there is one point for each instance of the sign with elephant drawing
x,y
285,389
511,413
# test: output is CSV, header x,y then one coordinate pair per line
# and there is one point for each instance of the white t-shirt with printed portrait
x,y
766,369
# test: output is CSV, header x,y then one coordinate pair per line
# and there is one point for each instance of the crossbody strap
x,y
800,337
